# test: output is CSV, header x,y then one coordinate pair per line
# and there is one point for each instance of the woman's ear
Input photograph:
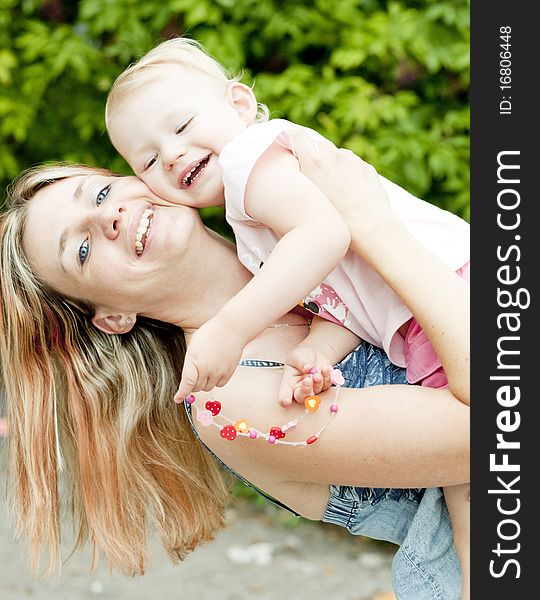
x,y
114,324
243,100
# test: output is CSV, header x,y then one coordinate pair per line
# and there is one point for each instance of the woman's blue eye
x,y
84,251
102,194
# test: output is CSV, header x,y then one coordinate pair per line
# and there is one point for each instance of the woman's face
x,y
104,240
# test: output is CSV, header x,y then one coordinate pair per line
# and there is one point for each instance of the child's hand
x,y
211,358
305,373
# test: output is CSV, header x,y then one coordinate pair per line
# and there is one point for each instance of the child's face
x,y
172,130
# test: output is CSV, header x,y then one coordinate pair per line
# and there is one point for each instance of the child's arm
x,y
326,344
314,238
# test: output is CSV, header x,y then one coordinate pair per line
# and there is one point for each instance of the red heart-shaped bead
x,y
277,432
228,432
213,406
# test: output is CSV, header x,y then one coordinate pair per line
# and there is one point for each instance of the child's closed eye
x,y
184,125
149,163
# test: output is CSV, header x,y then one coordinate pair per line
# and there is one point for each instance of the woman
x,y
69,270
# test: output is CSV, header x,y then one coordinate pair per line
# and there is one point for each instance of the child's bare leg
x,y
457,501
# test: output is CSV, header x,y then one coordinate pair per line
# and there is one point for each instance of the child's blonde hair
x,y
130,455
182,52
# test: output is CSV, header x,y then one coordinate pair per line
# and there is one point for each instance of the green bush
x,y
388,80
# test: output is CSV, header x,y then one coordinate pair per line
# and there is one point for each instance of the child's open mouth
x,y
189,176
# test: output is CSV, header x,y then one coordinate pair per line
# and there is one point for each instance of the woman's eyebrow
x,y
63,237
61,248
78,190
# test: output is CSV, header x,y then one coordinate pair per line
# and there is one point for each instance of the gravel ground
x,y
263,554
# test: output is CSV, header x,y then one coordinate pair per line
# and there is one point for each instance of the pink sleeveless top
x,y
353,294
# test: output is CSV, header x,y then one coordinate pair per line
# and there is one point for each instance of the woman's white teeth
x,y
143,230
143,226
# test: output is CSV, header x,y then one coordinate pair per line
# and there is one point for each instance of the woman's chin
x,y
171,234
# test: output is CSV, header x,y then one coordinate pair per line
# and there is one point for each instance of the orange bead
x,y
312,403
242,426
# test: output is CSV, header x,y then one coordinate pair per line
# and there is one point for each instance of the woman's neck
x,y
206,280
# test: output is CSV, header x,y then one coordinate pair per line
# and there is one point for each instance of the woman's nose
x,y
110,220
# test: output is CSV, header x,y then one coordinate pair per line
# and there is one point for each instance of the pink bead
x,y
313,371
337,377
253,434
271,439
334,408
190,399
205,417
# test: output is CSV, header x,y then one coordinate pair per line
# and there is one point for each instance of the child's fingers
x,y
224,378
317,377
326,373
326,370
317,388
222,381
303,389
188,382
316,381
285,394
285,403
206,384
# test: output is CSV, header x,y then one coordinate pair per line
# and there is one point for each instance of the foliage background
x,y
387,79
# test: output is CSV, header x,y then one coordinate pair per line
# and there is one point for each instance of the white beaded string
x,y
233,429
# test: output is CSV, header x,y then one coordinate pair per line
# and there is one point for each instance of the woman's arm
x,y
437,297
385,436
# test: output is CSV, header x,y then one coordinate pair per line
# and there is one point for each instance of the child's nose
x,y
172,155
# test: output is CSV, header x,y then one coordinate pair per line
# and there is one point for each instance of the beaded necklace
x,y
230,430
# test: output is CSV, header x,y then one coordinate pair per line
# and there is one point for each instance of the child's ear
x,y
114,324
243,100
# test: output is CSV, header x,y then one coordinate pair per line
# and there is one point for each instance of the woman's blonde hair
x,y
182,52
130,456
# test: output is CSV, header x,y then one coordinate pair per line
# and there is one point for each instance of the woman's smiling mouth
x,y
145,224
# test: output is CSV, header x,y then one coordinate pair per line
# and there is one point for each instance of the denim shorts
x,y
425,567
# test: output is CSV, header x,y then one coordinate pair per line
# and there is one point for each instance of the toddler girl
x,y
199,139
